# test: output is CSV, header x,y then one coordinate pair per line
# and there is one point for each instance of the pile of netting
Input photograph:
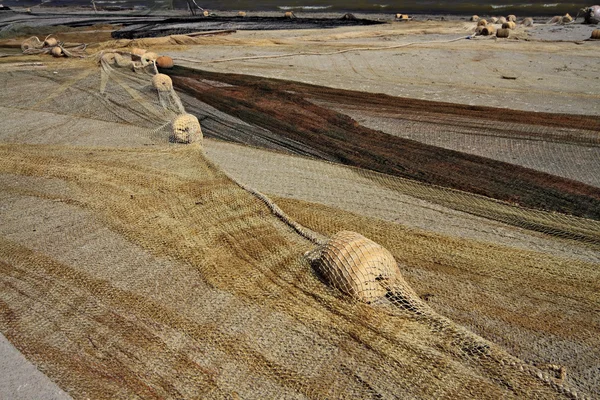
x,y
159,276
51,45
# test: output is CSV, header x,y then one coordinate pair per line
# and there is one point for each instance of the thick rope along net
x,y
160,275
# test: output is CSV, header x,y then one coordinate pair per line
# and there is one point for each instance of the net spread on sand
x,y
159,275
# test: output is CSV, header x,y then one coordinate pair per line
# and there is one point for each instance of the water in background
x,y
466,7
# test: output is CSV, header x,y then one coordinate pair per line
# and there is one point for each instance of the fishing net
x,y
140,259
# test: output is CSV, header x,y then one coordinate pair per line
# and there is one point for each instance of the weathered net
x,y
133,265
363,270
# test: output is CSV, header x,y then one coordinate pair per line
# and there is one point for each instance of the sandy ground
x,y
21,380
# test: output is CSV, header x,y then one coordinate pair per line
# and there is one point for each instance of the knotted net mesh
x,y
134,265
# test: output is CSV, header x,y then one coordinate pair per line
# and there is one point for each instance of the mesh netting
x,y
133,265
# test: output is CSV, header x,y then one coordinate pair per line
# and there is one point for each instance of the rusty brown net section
x,y
133,265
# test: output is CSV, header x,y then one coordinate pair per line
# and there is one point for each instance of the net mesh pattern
x,y
163,277
363,270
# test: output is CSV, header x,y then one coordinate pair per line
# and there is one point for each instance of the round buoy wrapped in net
x,y
241,14
488,30
493,20
50,42
567,18
503,33
357,266
148,58
509,25
169,100
479,29
162,83
474,18
482,22
136,51
596,34
164,62
186,129
501,20
289,14
528,22
512,18
57,52
206,13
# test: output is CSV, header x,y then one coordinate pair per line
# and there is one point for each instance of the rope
x,y
310,53
31,44
75,51
282,216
